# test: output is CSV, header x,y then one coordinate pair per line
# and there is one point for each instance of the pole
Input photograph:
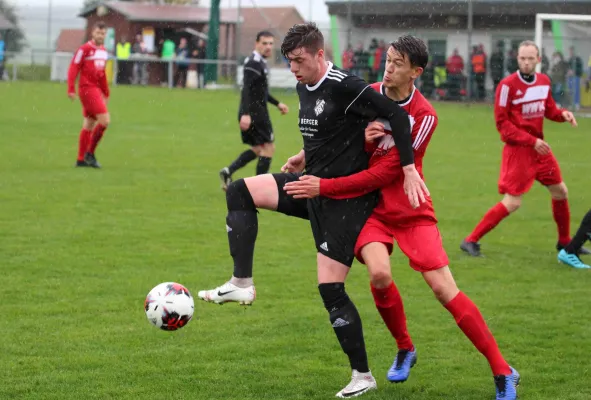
x,y
349,23
470,28
213,42
49,27
238,32
310,10
538,37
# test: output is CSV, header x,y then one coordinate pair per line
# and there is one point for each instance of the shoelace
x,y
400,358
500,382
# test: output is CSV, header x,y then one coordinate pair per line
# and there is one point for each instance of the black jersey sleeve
x,y
272,99
251,73
363,100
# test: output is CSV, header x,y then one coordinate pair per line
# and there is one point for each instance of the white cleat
x,y
361,382
229,292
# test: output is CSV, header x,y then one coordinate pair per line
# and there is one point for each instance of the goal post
x,y
540,18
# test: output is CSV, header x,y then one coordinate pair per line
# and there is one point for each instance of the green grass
x,y
80,249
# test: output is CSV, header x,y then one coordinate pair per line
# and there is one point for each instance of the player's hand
x,y
570,118
295,163
283,108
72,96
542,147
307,187
374,130
414,187
245,122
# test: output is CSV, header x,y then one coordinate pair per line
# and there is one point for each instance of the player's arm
x,y
250,75
105,85
382,173
510,133
272,100
367,102
74,70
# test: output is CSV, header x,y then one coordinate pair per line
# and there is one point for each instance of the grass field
x,y
80,249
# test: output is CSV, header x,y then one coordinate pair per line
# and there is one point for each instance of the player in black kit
x,y
335,108
255,123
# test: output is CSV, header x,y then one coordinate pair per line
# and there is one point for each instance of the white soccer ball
x,y
169,306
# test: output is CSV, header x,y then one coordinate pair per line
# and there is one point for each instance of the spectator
x,y
182,64
140,68
575,74
348,59
122,52
201,55
2,49
455,69
360,60
428,80
545,63
479,71
558,75
379,54
166,53
512,62
497,65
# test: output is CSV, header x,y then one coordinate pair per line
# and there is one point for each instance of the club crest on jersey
x,y
319,106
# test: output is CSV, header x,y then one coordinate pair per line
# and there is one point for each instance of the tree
x,y
14,39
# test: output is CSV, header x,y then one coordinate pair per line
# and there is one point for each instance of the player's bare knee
x,y
558,192
257,150
380,276
263,191
104,119
512,203
442,284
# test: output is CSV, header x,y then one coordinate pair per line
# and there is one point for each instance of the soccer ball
x,y
169,306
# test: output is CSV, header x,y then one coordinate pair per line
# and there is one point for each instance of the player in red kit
x,y
89,62
413,229
522,101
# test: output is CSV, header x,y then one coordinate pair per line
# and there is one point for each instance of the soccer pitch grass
x,y
81,248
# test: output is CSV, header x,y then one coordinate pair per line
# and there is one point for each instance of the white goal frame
x,y
540,18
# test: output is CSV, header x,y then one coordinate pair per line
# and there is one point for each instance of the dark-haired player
x,y
253,116
522,101
335,108
414,230
89,62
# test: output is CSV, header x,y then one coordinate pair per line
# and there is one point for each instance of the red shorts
x,y
421,244
93,102
521,166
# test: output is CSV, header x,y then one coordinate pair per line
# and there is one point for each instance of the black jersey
x,y
333,116
255,89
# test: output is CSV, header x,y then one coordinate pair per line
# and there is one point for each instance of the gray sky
x,y
317,8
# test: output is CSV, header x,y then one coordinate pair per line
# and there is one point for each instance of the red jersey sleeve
x,y
74,70
552,111
104,85
423,131
376,177
510,133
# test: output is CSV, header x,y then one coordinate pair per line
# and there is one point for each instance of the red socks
x,y
97,135
471,322
83,143
561,213
488,222
389,304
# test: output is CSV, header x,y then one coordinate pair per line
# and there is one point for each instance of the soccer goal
x,y
567,37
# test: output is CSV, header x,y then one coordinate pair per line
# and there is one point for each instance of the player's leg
x,y
560,212
491,219
248,138
102,122
84,139
243,198
373,248
569,255
472,323
267,150
335,240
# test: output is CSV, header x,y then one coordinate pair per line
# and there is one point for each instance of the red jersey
x,y
89,61
385,172
520,108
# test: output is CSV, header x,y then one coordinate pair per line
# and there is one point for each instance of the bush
x,y
30,72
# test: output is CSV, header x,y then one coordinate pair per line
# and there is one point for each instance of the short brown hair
x,y
306,36
100,25
413,48
527,43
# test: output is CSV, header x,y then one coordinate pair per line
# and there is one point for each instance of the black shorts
x,y
259,132
335,223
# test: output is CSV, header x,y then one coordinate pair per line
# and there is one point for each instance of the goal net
x,y
565,41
